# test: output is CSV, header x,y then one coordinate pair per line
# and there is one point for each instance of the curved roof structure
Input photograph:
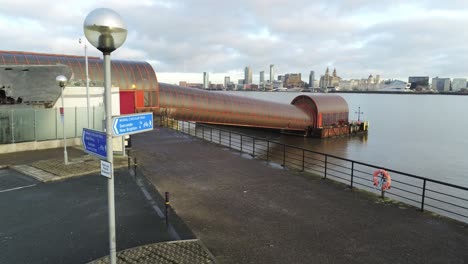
x,y
125,74
215,107
327,109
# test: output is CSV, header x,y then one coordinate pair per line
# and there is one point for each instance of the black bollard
x,y
166,206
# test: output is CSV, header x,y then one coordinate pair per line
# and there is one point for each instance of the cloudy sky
x,y
183,38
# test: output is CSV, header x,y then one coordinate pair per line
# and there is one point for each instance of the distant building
x,y
329,81
272,73
183,84
441,84
293,80
227,80
281,78
458,84
247,75
419,82
206,80
311,79
262,78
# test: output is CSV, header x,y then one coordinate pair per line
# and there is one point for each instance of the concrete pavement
x,y
246,211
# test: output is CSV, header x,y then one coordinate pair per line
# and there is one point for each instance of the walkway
x,y
246,211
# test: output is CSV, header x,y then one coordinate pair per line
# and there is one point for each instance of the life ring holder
x,y
382,179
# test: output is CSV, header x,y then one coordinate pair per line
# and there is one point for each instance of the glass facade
x,y
39,124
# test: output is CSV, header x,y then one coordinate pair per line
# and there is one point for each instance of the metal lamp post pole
x,y
106,31
110,156
65,154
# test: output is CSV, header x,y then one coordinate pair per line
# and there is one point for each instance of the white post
x,y
110,156
65,154
87,83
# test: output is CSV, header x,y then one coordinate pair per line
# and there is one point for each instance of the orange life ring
x,y
381,177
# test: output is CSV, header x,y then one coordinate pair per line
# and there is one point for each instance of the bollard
x,y
166,206
382,195
135,165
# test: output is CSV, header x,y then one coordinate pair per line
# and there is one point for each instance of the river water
x,y
425,135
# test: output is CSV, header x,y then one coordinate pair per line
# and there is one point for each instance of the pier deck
x,y
248,211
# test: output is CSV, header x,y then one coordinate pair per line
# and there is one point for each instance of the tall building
x,y
419,82
247,75
458,83
328,80
311,79
441,84
272,73
262,78
206,80
227,80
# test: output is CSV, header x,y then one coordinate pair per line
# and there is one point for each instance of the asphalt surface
x,y
247,211
66,222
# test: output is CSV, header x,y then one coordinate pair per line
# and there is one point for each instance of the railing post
x,y
189,125
268,150
352,174
229,138
241,144
135,165
284,155
219,133
203,132
303,159
183,127
382,194
12,127
326,162
76,121
253,147
56,123
94,115
423,195
211,134
35,124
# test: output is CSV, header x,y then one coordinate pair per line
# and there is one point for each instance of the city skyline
x,y
181,40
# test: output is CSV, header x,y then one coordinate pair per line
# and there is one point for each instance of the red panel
x,y
140,99
127,102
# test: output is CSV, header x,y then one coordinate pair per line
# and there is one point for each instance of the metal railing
x,y
426,194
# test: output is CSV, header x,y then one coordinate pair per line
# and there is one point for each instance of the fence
x,y
426,194
39,124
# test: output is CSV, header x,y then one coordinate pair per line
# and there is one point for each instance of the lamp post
x,y
106,31
87,81
62,80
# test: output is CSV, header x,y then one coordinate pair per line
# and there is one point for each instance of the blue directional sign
x,y
132,124
94,142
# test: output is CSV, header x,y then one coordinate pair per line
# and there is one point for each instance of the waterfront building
x,y
311,79
458,84
272,73
247,75
293,80
206,80
419,82
441,84
262,78
328,80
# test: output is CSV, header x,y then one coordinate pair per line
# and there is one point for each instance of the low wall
x,y
37,145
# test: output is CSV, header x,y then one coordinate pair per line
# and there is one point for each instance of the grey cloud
x,y
222,36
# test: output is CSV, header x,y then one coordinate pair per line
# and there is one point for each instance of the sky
x,y
181,39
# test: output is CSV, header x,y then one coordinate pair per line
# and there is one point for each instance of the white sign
x,y
106,169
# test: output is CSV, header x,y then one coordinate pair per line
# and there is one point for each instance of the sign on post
x,y
132,124
106,169
94,142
